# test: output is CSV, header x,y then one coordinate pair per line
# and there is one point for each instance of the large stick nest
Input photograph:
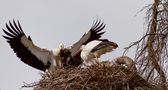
x,y
105,77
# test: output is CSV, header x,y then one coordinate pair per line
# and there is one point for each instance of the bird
x,y
44,59
94,49
95,33
39,58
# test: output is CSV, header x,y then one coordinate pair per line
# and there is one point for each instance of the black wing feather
x,y
7,33
13,36
20,28
14,30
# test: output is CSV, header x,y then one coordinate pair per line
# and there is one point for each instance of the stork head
x,y
61,46
57,51
64,52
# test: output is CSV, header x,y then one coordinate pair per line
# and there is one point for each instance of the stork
x,y
28,52
94,49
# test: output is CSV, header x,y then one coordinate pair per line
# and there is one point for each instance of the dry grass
x,y
105,77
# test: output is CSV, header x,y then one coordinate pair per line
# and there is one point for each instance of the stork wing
x,y
94,33
104,47
24,47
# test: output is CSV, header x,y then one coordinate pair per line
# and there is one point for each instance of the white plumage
x,y
94,49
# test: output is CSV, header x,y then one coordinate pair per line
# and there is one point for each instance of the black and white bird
x,y
94,49
28,52
44,59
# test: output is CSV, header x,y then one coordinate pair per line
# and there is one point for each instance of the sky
x,y
51,22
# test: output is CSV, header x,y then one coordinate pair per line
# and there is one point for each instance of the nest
x,y
105,77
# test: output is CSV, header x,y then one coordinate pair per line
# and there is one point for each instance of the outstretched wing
x,y
24,47
94,33
103,47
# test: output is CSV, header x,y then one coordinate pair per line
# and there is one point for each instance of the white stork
x,y
28,52
43,59
94,49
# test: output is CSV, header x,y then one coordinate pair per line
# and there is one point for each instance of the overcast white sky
x,y
51,22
